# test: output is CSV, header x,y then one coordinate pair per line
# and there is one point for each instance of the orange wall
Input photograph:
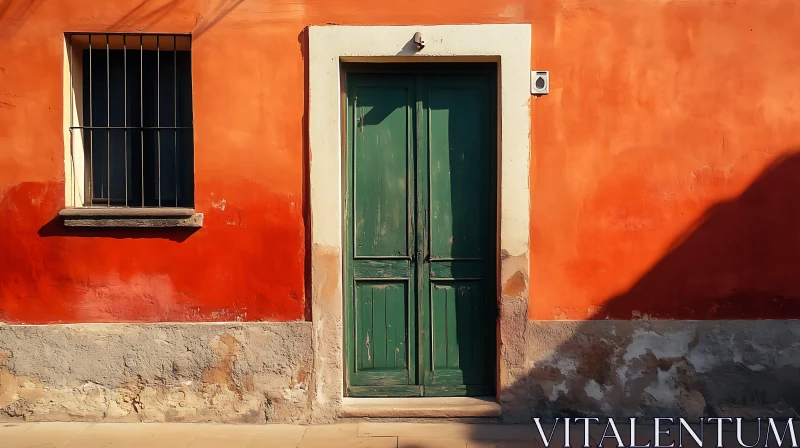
x,y
663,179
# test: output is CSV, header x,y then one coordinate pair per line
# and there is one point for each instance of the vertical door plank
x,y
466,329
368,340
439,325
479,326
452,328
379,323
392,322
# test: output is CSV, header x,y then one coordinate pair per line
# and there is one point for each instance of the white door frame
x,y
510,46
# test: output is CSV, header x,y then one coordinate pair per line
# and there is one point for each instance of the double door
x,y
420,289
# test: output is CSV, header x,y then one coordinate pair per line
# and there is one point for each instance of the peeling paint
x,y
516,285
594,390
235,373
327,267
220,204
656,368
670,345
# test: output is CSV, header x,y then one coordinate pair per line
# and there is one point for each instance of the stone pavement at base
x,y
349,435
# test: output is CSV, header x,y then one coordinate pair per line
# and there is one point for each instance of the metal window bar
x,y
158,112
148,176
71,114
108,123
141,106
175,112
125,107
90,196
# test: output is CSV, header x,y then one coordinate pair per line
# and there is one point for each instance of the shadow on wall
x,y
302,40
55,227
147,13
218,13
14,13
144,17
740,261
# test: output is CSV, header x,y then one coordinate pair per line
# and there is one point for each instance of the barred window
x,y
130,128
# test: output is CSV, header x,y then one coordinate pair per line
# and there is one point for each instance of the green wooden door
x,y
420,289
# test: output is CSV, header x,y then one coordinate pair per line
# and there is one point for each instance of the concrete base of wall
x,y
252,373
262,372
658,368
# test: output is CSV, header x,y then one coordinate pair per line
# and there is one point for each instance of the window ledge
x,y
131,217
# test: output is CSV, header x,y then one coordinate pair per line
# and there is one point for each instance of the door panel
x,y
420,290
381,327
380,293
458,329
381,138
459,264
457,143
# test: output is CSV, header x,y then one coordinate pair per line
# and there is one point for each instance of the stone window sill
x,y
131,217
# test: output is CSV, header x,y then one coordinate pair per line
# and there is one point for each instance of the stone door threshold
x,y
423,407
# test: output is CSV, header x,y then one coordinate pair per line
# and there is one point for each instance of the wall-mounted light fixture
x,y
418,40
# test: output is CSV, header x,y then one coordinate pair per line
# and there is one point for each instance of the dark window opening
x,y
136,120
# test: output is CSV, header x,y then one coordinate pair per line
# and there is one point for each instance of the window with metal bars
x,y
131,96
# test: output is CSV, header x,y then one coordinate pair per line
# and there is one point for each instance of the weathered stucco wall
x,y
235,373
664,181
661,368
264,372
